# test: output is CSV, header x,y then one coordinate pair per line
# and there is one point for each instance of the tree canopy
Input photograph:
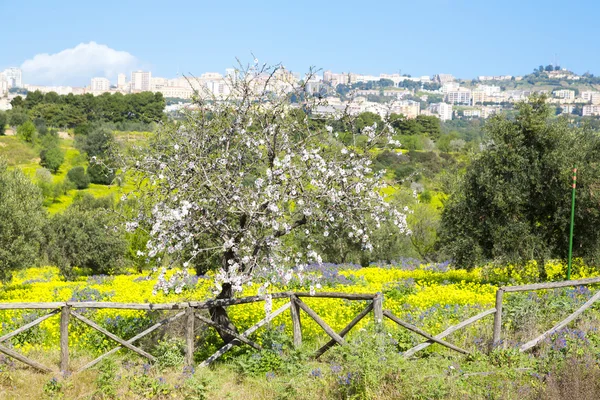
x,y
72,110
22,220
239,179
513,203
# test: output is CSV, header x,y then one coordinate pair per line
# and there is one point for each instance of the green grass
x,y
17,152
26,157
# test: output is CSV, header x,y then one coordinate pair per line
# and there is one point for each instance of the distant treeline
x,y
73,110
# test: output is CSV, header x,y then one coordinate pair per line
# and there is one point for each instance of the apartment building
x,y
13,77
591,97
121,81
3,85
564,94
590,110
460,96
99,85
442,110
140,80
408,108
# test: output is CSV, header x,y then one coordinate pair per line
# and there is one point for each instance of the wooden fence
x,y
190,311
497,340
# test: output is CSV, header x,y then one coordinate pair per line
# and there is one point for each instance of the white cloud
x,y
76,66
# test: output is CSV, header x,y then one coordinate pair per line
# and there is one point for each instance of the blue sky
x,y
461,37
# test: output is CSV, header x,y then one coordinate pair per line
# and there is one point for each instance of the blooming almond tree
x,y
242,173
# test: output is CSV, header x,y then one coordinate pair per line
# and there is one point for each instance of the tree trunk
x,y
219,314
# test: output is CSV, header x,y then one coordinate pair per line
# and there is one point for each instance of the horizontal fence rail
x,y
189,312
73,310
497,334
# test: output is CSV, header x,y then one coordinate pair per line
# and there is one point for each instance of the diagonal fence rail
x,y
497,335
190,312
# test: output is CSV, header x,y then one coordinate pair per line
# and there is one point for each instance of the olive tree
x,y
240,177
513,203
22,220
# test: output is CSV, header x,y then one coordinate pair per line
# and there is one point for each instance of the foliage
x,y
27,131
421,125
514,202
86,236
17,117
240,178
100,173
71,110
97,142
52,156
107,381
23,219
3,122
170,353
79,177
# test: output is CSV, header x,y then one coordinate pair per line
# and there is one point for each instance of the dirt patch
x,y
64,135
9,132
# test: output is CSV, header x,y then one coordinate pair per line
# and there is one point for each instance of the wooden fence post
x,y
65,316
296,323
378,308
497,319
189,337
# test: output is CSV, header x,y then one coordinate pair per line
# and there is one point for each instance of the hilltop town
x,y
440,95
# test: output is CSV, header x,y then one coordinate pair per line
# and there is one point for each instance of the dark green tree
x,y
17,102
3,122
22,219
52,157
513,203
97,143
33,99
79,177
86,236
27,131
100,173
17,117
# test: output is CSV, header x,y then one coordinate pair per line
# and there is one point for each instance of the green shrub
x,y
52,158
17,117
3,122
27,132
22,217
107,381
86,236
79,177
100,174
170,353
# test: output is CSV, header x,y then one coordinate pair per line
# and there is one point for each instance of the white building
x,y
3,85
60,90
564,94
99,85
444,78
335,79
157,83
449,87
121,81
13,76
590,110
443,110
140,80
591,97
472,113
408,108
180,92
460,96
